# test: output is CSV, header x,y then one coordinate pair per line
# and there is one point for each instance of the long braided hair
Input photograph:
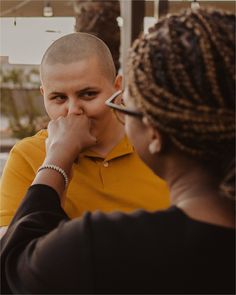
x,y
182,76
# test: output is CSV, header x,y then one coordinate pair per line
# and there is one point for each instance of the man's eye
x,y
89,95
59,99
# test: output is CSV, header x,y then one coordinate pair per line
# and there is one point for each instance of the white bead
x,y
58,169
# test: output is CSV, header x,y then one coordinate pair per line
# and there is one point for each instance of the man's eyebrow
x,y
89,88
56,93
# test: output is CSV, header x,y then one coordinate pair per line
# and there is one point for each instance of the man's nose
x,y
74,107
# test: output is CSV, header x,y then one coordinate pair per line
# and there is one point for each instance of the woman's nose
x,y
74,107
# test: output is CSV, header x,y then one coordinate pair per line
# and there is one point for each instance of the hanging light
x,y
47,10
195,4
120,21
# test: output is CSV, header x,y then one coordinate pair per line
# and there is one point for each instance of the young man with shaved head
x,y
78,76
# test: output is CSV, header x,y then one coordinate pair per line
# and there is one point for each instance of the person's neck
x,y
195,191
188,184
109,140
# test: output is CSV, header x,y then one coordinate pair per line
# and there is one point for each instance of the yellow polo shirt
x,y
121,181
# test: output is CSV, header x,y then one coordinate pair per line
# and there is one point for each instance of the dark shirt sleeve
x,y
44,250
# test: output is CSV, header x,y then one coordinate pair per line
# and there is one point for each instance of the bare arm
x,y
41,221
67,137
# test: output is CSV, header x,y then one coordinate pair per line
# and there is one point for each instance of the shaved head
x,y
76,47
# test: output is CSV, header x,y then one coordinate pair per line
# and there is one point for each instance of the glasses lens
x,y
120,102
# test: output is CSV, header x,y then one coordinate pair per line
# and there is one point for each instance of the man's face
x,y
70,88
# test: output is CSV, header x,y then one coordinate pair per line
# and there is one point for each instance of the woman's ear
x,y
154,146
156,140
118,82
156,143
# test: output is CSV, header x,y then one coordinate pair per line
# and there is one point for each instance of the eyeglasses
x,y
117,104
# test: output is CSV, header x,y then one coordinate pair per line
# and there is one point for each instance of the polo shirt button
x,y
105,164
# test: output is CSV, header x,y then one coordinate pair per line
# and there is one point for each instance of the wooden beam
x,y
138,13
163,8
34,8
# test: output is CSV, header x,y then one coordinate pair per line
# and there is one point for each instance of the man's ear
x,y
41,90
155,138
118,82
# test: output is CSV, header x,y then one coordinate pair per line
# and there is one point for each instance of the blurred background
x,y
28,27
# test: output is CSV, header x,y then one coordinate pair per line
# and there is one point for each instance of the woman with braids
x,y
179,109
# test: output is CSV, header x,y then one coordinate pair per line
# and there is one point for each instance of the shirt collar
x,y
124,147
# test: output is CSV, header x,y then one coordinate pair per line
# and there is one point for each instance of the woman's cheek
x,y
130,129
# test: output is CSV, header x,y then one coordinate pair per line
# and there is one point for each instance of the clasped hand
x,y
69,136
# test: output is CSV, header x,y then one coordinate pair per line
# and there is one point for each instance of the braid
x,y
179,67
182,76
224,51
209,59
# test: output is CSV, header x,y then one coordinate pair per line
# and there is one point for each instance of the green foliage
x,y
18,92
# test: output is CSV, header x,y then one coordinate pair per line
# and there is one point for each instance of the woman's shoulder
x,y
137,222
171,223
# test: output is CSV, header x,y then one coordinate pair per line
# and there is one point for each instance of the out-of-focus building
x,y
22,111
30,74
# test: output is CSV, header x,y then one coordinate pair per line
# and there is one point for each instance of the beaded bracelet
x,y
58,169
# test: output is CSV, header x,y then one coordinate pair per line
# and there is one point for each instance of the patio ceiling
x,y
34,8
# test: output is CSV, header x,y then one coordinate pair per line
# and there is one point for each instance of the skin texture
x,y
139,133
79,46
79,83
192,187
71,134
81,87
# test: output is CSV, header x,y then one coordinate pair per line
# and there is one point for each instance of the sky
x,y
25,40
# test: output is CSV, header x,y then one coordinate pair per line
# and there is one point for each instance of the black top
x,y
43,252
